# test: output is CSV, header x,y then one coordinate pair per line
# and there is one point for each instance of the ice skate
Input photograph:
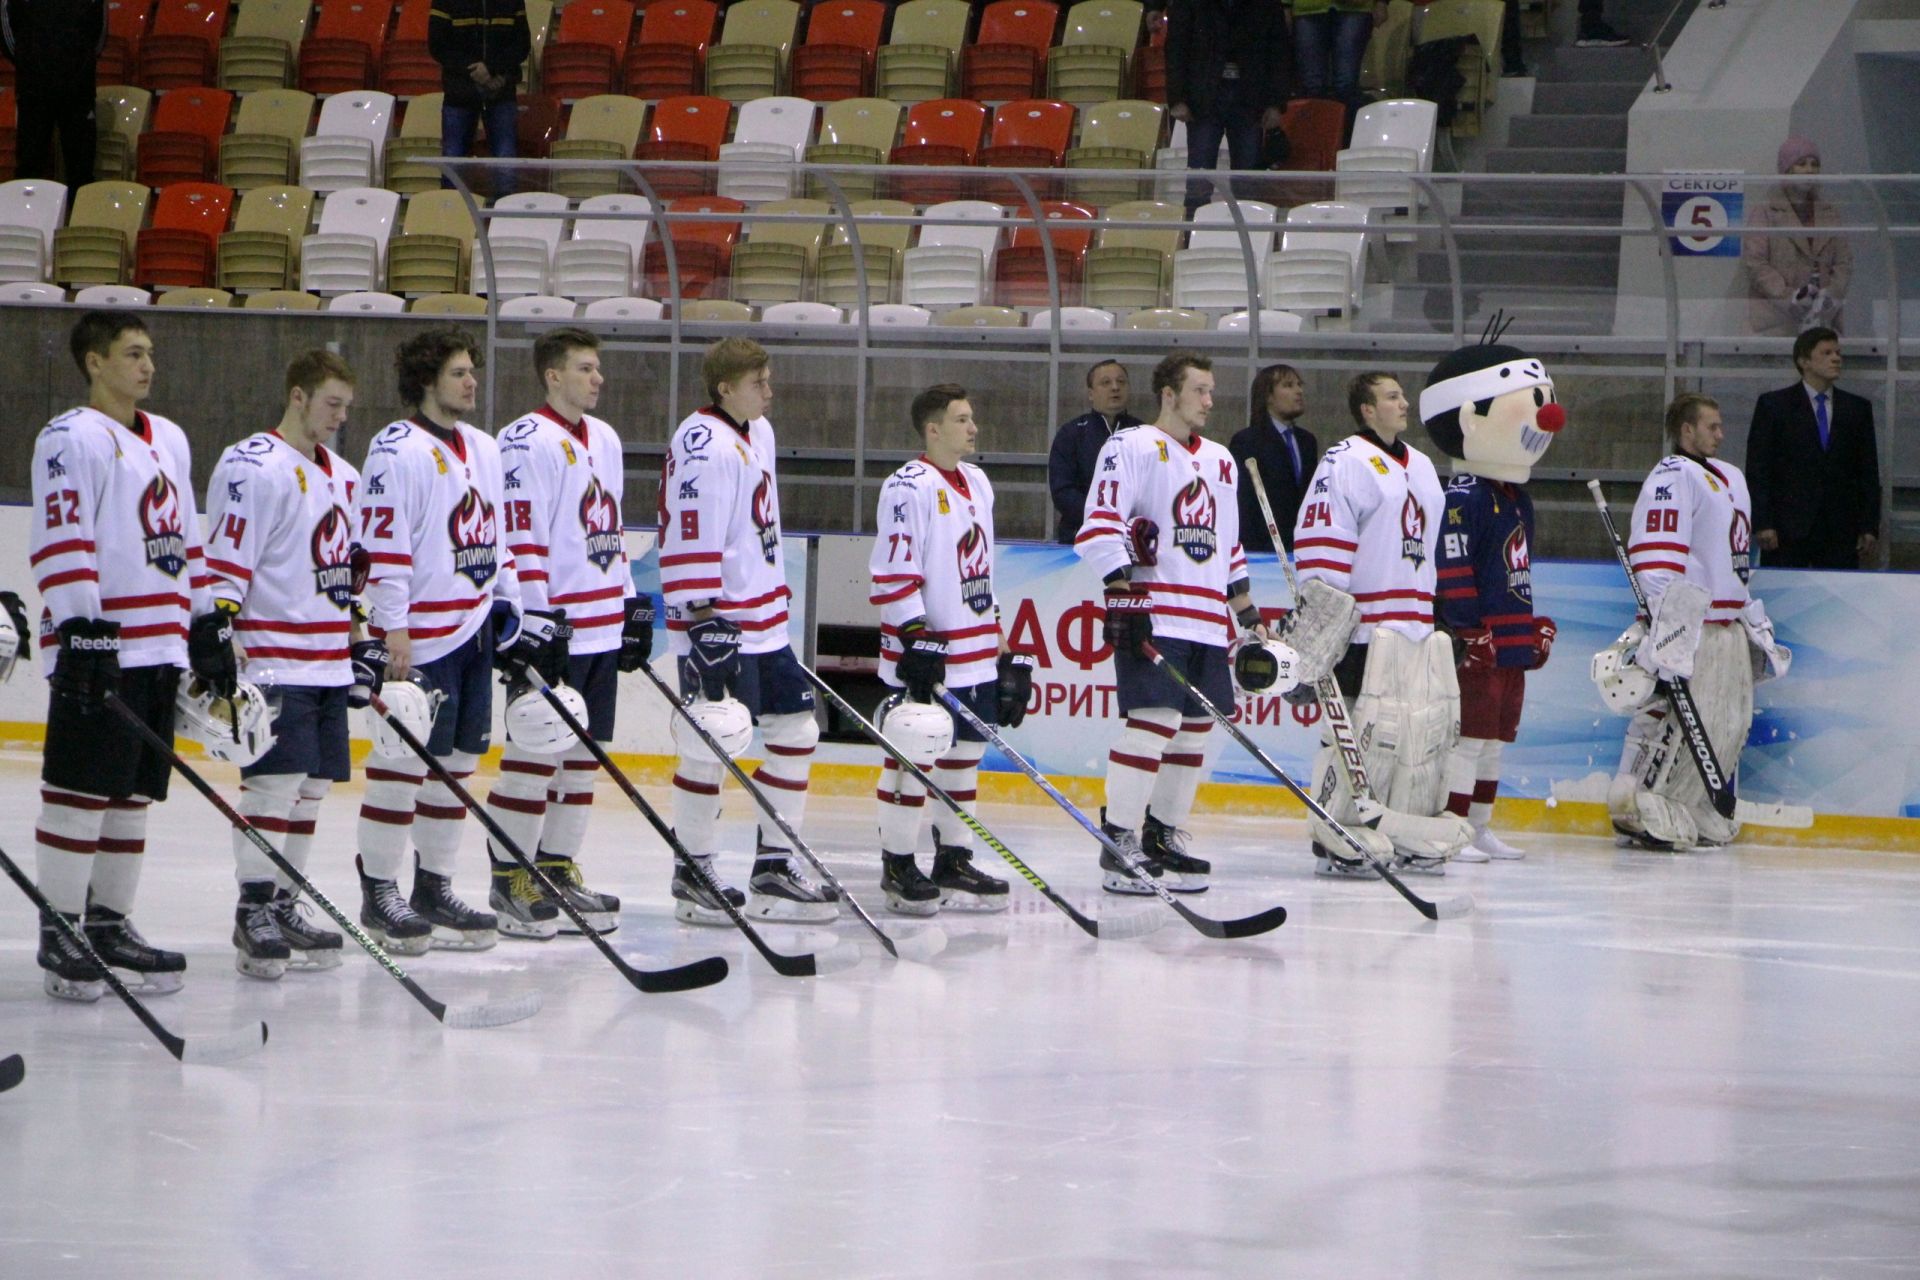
x,y
1117,877
313,947
963,886
259,949
601,911
906,887
782,891
1341,866
71,973
519,906
1167,845
694,902
389,919
456,926
156,972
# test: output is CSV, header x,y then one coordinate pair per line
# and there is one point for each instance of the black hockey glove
x,y
636,634
1014,689
923,660
369,660
541,644
1129,624
210,650
89,665
715,656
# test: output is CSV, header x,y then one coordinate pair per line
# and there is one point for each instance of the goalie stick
x,y
471,1015
1133,926
13,1069
1679,690
686,977
1245,927
200,1049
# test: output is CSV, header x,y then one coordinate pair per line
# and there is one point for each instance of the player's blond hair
x,y
311,368
730,360
1684,412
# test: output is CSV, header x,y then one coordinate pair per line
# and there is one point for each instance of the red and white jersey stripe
x,y
115,533
562,481
1694,518
1369,526
279,540
933,558
1190,491
428,513
720,530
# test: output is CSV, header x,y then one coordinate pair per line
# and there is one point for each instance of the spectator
x,y
1595,33
1329,42
1813,466
52,45
1286,451
1077,445
1797,277
1227,75
479,45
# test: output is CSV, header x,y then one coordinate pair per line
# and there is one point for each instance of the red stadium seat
x,y
1150,61
179,249
702,250
407,68
836,62
344,47
669,57
1008,58
945,131
182,49
1314,127
1030,134
587,48
1020,268
684,128
9,136
182,142
540,120
127,22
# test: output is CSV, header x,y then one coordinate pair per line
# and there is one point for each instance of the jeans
x,y
1337,38
457,125
1244,140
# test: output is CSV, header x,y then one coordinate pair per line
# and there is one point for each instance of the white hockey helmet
x,y
238,730
726,720
922,731
9,648
1624,684
1269,667
410,704
533,724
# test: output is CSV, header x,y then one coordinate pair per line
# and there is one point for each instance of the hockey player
x,y
724,580
564,472
1368,527
1490,407
1163,532
115,548
443,596
932,569
1691,546
281,555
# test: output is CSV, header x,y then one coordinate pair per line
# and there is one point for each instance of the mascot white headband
x,y
1482,384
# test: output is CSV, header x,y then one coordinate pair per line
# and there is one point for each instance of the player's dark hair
x,y
730,360
1360,392
1098,366
95,333
311,368
1171,373
931,405
1684,412
552,349
417,362
1804,344
1263,384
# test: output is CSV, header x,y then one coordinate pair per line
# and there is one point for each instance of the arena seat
x,y
1481,19
1211,272
702,250
600,260
260,51
836,62
112,295
31,293
369,303
684,129
919,60
1008,57
1399,122
1352,244
1029,134
268,128
1020,269
607,126
952,263
343,53
768,138
120,115
837,281
1270,322
262,251
714,311
184,141
854,131
419,137
96,245
538,307
751,59
448,304
1073,318
1150,61
980,317
127,24
778,259
281,300
181,47
944,131
522,248
802,313
668,58
407,66
622,309
216,299
348,252
433,252
30,213
1128,268
349,142
587,49
1171,318
178,249
1090,63
898,315
1122,134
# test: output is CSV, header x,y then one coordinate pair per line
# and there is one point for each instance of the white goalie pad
x,y
1319,628
1771,659
1624,685
1658,779
1673,637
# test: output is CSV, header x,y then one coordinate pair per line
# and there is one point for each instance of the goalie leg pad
x,y
1334,792
1408,719
1319,628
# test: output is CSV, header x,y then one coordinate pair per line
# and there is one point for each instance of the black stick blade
x,y
1245,927
213,1050
13,1069
687,977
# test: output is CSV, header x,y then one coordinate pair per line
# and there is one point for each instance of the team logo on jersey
x,y
333,557
471,529
55,467
510,478
764,519
1413,531
1193,522
1519,563
1740,542
695,439
600,517
976,570
166,544
376,485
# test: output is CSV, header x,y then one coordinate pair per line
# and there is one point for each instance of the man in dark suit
x,y
1077,445
1286,452
1813,466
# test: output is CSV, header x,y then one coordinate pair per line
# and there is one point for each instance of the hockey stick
x,y
13,1069
1759,813
1333,705
1245,927
476,1015
800,966
686,977
201,1049
1122,927
1679,690
921,945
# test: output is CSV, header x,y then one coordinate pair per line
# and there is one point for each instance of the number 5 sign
x,y
1702,209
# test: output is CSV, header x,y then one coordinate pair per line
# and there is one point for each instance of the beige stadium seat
x,y
1090,63
194,298
715,311
419,136
282,300
433,251
606,126
262,251
854,131
751,59
265,142
120,115
449,304
263,48
777,262
96,245
838,283
1131,268
921,59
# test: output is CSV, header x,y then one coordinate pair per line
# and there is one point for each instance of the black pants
x,y
1839,551
65,104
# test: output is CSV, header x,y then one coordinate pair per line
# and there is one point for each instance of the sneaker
x,y
601,911
113,936
259,950
1472,853
963,886
71,973
694,901
1119,877
456,926
1598,35
1341,866
1167,845
1484,841
313,947
389,919
519,905
907,889
782,891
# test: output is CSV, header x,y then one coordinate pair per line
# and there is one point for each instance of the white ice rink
x,y
1621,1065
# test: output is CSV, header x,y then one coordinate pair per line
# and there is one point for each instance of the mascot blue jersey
x,y
1486,564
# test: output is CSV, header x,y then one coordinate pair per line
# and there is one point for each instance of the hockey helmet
x,y
9,649
410,704
921,731
238,730
1266,666
533,724
1624,684
726,721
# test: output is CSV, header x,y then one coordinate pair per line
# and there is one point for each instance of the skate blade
x,y
601,922
151,984
962,900
786,911
1515,856
1114,882
693,913
415,946
494,1014
1181,882
71,989
1420,868
448,939
316,961
534,931
1337,872
908,907
264,970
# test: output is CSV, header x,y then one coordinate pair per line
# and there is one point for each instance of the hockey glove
x,y
16,638
1129,624
923,660
1473,649
369,660
89,664
210,649
1143,539
540,644
636,633
715,656
1014,689
359,568
1544,631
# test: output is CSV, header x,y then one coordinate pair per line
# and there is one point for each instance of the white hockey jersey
x,y
279,535
720,530
115,534
428,516
1694,518
562,482
933,558
1369,526
1189,490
